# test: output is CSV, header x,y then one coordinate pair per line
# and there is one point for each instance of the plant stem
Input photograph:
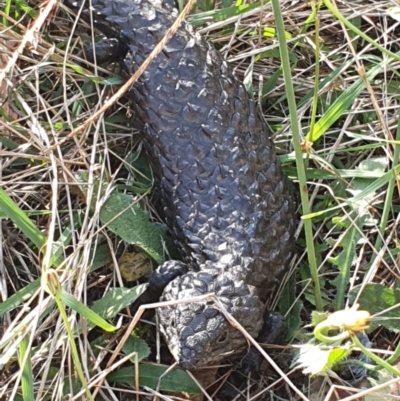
x,y
287,73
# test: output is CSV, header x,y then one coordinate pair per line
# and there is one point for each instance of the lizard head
x,y
197,333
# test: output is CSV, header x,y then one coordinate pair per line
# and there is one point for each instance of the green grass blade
x,y
13,212
389,194
86,312
375,186
287,73
19,297
25,362
342,104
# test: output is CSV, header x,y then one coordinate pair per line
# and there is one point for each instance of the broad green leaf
x,y
135,344
394,12
71,386
112,81
293,320
122,215
105,308
346,257
318,317
61,244
133,225
376,298
149,375
117,299
79,106
382,393
271,84
101,257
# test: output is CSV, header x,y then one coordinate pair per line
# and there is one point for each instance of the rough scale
x,y
225,197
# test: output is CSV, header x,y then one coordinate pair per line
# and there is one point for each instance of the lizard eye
x,y
223,337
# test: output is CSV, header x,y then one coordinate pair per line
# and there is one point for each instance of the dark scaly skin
x,y
225,197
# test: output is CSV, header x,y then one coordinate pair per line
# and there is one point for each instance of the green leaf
x,y
62,243
132,345
343,103
105,308
333,174
23,223
270,32
19,297
71,386
24,353
293,320
117,299
112,81
318,317
352,225
221,14
384,393
345,259
19,218
22,5
375,186
138,166
332,77
7,143
124,217
132,224
270,85
135,344
248,79
79,106
93,318
376,298
287,303
149,375
102,257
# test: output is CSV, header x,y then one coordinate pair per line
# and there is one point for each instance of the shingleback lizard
x,y
224,194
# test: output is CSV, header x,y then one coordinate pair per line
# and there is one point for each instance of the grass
x,y
326,77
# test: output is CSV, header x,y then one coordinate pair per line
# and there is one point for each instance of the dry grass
x,y
45,95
